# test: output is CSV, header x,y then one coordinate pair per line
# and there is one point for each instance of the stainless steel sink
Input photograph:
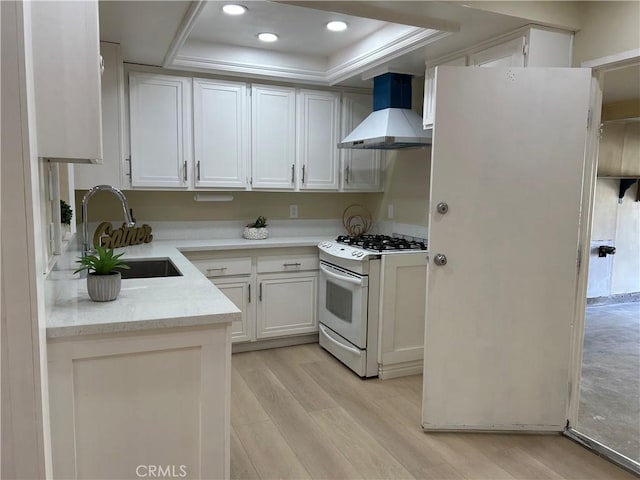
x,y
158,267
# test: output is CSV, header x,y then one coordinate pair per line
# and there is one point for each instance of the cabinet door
x,y
238,290
287,304
508,54
429,89
221,134
160,111
360,168
318,126
66,79
110,171
402,305
273,137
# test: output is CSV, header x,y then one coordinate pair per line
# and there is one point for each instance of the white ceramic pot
x,y
104,288
255,233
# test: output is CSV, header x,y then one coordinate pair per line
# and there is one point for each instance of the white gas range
x,y
349,292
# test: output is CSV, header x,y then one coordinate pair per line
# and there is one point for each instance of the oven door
x,y
342,303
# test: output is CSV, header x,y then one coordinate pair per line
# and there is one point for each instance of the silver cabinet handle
x,y
260,292
217,269
293,173
297,264
346,174
101,65
249,285
198,170
184,171
303,169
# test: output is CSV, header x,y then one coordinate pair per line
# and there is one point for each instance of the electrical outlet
x,y
293,211
389,211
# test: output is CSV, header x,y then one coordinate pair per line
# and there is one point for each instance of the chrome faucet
x,y
86,243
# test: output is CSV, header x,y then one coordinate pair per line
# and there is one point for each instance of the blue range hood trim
x,y
392,90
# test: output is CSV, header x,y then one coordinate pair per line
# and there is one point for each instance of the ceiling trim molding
x,y
402,45
239,68
184,29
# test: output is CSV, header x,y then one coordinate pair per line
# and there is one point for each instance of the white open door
x,y
508,158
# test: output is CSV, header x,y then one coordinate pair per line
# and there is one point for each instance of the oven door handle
x,y
343,278
337,343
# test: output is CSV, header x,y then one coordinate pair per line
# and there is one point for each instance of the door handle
x,y
249,285
198,170
440,259
260,292
344,347
297,264
329,273
184,171
303,169
293,173
346,174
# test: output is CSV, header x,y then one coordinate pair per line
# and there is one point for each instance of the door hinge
x,y
525,47
579,260
589,117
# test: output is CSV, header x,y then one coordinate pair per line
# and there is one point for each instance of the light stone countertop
x,y
148,303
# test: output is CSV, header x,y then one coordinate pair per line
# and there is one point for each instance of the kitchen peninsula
x,y
147,376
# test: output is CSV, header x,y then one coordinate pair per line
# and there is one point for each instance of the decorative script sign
x,y
108,237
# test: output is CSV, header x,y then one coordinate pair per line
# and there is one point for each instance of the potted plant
x,y
104,279
66,214
256,230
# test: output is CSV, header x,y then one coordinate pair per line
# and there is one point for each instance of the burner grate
x,y
381,243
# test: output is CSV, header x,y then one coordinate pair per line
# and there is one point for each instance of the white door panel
x,y
508,158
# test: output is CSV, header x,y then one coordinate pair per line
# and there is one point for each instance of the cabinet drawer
x,y
224,267
287,263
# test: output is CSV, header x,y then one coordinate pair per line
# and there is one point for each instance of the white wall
x,y
606,28
24,381
615,224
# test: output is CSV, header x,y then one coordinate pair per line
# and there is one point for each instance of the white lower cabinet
x,y
275,288
238,290
403,293
126,402
287,304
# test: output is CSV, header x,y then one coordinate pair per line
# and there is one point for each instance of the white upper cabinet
x,y
361,169
160,126
527,47
273,137
317,139
110,172
429,89
66,76
221,134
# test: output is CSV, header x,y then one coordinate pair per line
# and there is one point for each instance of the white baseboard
x,y
274,343
400,369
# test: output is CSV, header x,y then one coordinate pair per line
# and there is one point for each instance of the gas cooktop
x,y
381,243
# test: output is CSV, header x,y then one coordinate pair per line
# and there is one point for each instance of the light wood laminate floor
x,y
296,412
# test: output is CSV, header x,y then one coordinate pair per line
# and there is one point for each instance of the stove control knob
x,y
440,259
360,254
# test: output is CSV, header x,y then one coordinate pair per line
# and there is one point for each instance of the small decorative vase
x,y
104,288
251,233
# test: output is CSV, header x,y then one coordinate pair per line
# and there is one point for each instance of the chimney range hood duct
x,y
392,124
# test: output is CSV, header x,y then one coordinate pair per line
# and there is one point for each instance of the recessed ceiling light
x,y
233,9
267,37
337,26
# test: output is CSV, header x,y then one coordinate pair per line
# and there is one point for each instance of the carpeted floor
x,y
610,387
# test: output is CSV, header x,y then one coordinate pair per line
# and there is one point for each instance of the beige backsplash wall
x,y
407,186
180,206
